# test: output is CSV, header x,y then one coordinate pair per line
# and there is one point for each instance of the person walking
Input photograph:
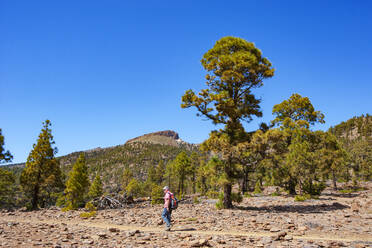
x,y
167,211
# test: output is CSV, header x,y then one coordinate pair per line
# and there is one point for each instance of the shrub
x,y
276,193
90,207
351,190
257,188
90,214
219,203
212,194
302,198
91,210
196,200
247,195
68,208
236,197
314,189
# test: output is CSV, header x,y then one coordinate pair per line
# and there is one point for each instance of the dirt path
x,y
104,225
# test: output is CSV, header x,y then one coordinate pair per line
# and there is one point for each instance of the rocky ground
x,y
334,220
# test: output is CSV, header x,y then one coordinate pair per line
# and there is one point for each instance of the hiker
x,y
167,211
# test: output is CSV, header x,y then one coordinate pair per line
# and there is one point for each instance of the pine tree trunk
x,y
193,183
205,187
245,182
182,185
227,196
292,187
179,187
334,180
35,197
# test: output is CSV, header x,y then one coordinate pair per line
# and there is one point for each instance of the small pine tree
x,y
7,188
257,188
77,184
126,178
157,195
151,174
42,175
182,165
160,172
195,161
7,178
134,188
5,156
96,189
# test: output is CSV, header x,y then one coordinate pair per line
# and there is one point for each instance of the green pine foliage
x,y
7,188
96,189
112,162
5,156
356,137
234,67
126,177
42,175
293,156
160,172
182,168
353,128
257,188
7,178
77,184
157,195
134,188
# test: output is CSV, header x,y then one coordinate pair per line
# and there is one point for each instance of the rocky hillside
x,y
354,128
139,154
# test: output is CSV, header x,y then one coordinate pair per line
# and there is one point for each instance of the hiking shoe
x,y
168,228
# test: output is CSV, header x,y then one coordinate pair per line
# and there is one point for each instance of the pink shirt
x,y
166,200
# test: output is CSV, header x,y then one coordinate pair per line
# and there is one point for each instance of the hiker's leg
x,y
165,217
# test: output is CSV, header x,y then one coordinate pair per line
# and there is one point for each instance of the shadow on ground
x,y
308,209
184,229
343,195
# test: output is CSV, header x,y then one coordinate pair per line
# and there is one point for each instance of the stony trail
x,y
177,229
333,220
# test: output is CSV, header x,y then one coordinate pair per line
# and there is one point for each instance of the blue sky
x,y
107,71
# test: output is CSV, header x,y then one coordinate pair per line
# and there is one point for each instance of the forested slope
x,y
139,155
356,136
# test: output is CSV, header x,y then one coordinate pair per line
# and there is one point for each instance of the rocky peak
x,y
167,133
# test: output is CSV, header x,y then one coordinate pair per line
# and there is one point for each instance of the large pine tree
x,y
235,67
42,174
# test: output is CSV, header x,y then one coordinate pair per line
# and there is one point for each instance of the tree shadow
x,y
305,209
343,195
184,229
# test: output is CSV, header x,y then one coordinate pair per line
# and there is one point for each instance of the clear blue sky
x,y
107,71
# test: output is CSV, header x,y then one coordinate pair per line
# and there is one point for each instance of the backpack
x,y
173,203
